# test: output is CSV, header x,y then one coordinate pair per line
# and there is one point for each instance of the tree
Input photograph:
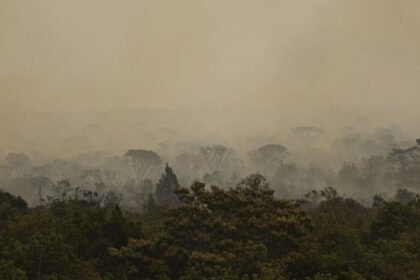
x,y
240,233
62,188
269,157
408,165
393,241
111,199
166,187
215,156
41,184
401,157
142,162
349,172
238,229
335,249
221,162
378,200
392,220
13,201
140,260
136,194
405,196
254,181
115,171
10,206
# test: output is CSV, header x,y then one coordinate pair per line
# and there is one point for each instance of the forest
x,y
135,216
209,140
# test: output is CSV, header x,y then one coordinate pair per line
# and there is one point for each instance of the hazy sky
x,y
284,54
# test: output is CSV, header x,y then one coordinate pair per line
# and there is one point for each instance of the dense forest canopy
x,y
209,232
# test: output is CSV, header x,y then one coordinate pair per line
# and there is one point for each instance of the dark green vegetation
x,y
205,232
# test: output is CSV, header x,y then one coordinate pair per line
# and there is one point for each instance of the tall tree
x,y
269,157
166,187
142,162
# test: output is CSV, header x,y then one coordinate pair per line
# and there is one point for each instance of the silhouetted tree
x,y
269,157
142,162
166,187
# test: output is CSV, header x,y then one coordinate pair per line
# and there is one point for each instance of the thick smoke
x,y
334,82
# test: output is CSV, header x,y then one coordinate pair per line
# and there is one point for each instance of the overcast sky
x,y
283,54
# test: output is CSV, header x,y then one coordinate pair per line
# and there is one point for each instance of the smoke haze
x,y
81,76
276,55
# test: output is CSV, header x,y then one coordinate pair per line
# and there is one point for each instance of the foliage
x,y
241,233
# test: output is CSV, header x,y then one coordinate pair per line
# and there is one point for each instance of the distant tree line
x,y
134,175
